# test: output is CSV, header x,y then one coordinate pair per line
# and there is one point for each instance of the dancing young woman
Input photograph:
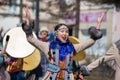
x,y
60,51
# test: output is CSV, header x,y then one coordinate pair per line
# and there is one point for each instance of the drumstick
x,y
100,18
7,39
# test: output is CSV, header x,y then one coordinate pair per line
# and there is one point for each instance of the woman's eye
x,y
61,30
66,31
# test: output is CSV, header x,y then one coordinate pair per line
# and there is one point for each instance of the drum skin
x,y
15,43
32,61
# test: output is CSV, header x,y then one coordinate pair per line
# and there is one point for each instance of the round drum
x,y
32,61
15,43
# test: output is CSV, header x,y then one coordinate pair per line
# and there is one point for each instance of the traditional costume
x,y
60,54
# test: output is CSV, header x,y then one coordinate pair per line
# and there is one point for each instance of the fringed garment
x,y
61,64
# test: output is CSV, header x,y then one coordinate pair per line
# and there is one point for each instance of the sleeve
x,y
28,28
84,45
43,46
107,57
95,33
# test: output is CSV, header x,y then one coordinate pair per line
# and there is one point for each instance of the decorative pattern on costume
x,y
15,65
53,68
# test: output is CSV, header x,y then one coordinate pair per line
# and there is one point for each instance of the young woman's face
x,y
63,33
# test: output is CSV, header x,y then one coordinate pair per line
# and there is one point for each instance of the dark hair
x,y
59,25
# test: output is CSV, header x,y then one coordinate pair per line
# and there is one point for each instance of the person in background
x,y
44,34
16,74
4,60
45,38
8,61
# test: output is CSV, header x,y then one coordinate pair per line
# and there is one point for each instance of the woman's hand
x,y
2,51
78,76
81,77
99,20
27,15
28,25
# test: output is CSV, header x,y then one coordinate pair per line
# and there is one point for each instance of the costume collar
x,y
64,48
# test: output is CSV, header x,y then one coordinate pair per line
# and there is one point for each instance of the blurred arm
x,y
107,57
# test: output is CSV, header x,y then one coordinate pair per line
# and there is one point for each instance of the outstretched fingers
x,y
27,15
100,18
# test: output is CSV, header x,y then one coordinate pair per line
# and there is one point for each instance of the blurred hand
x,y
81,77
99,20
27,15
2,51
78,76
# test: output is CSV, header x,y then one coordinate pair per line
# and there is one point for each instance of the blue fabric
x,y
64,48
49,38
1,58
18,75
41,69
53,68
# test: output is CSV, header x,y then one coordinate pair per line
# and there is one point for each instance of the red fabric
x,y
43,39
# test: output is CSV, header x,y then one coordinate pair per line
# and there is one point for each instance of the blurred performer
x,y
44,61
15,65
4,60
15,69
60,50
112,54
45,35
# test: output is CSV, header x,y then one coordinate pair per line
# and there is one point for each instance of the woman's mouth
x,y
64,38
